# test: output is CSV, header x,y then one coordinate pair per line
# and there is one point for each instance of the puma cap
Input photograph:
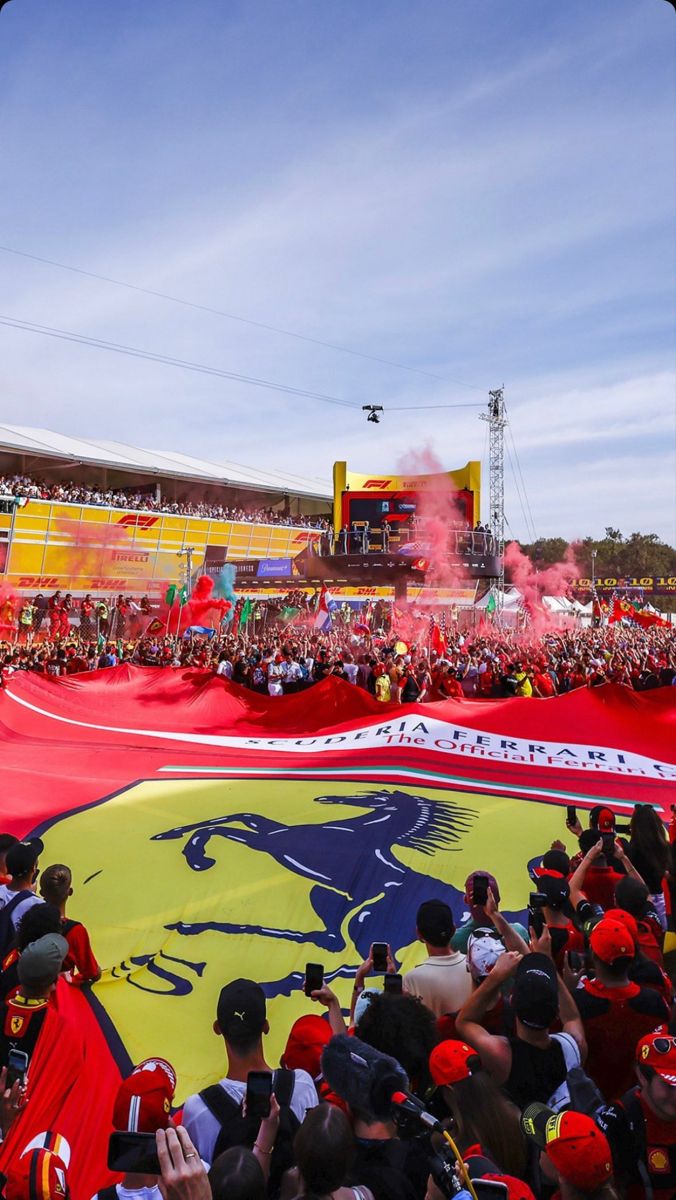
x,y
241,1012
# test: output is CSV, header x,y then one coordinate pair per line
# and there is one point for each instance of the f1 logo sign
x,y
378,484
141,522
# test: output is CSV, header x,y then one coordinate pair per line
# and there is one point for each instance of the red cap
x,y
611,940
516,1188
143,1101
658,1051
38,1175
606,821
573,1142
308,1037
618,914
452,1061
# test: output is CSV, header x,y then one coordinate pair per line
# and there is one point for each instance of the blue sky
x,y
482,190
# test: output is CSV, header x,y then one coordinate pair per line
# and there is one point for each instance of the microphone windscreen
x,y
362,1077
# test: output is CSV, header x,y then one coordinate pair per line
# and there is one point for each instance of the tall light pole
x,y
497,422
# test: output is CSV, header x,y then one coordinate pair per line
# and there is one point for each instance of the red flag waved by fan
x,y
437,641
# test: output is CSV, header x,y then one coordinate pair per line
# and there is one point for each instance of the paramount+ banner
x,y
213,832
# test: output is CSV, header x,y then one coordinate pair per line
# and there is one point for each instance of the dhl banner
x,y
82,548
213,832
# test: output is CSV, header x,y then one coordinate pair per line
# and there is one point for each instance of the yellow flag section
x,y
186,884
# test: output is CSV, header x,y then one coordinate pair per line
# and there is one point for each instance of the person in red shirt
x,y
56,888
615,1011
641,1126
595,878
543,684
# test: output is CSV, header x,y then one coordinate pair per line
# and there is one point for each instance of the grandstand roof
x,y
44,443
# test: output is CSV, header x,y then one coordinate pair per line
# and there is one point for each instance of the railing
x,y
459,541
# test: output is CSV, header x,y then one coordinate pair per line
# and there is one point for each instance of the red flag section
x,y
72,1083
213,832
625,610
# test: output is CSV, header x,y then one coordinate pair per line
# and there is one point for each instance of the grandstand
x,y
100,516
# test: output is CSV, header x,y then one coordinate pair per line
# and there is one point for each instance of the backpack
x,y
560,1099
238,1130
6,927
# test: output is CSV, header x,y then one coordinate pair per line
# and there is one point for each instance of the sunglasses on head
x,y
663,1045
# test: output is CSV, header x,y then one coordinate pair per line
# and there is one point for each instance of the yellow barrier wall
x,y
83,548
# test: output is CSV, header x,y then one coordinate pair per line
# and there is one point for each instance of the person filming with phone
x,y
218,1118
142,1106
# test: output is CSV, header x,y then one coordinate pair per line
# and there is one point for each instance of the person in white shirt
x,y
350,668
291,674
224,667
275,676
442,981
242,1022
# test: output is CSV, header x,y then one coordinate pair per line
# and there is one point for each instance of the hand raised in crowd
x,y
12,1100
266,1136
596,851
183,1175
575,828
571,976
505,966
324,995
541,943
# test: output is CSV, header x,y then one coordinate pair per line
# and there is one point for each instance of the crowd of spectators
x,y
271,647
359,538
78,493
529,1055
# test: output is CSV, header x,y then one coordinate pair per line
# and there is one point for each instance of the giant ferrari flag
x,y
213,832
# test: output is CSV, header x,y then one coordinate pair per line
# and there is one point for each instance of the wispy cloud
x,y
484,196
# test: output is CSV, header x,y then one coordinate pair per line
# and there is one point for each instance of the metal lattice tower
x,y
497,422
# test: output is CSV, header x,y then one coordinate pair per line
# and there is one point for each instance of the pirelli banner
x,y
81,548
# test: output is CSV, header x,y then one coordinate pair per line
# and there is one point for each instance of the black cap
x,y
241,1012
557,891
435,922
22,857
535,998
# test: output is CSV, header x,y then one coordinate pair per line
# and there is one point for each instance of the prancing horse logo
x,y
355,877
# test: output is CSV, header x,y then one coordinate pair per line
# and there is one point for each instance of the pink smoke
x,y
204,608
534,583
440,510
